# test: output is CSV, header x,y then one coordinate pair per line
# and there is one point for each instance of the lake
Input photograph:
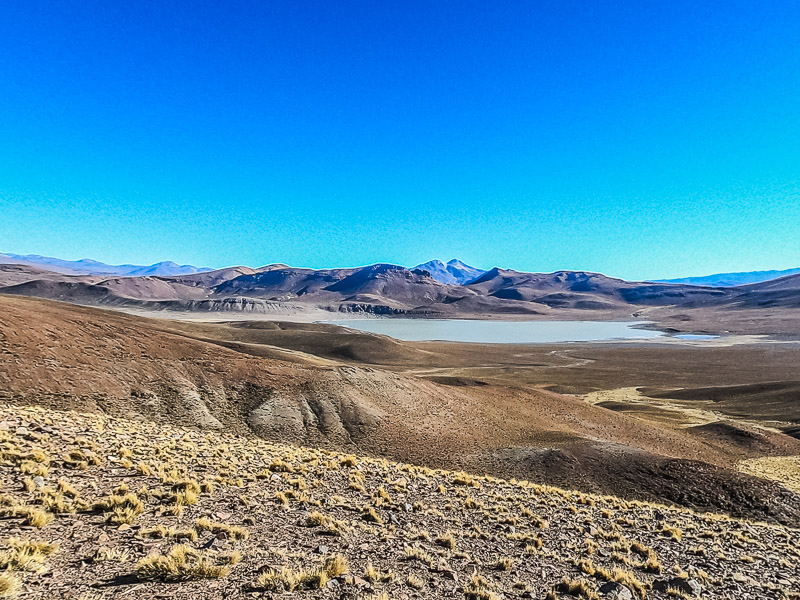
x,y
501,332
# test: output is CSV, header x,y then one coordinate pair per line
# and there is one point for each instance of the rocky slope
x,y
95,506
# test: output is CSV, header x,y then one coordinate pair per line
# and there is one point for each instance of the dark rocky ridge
x,y
390,289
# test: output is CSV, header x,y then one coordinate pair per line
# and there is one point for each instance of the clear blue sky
x,y
639,139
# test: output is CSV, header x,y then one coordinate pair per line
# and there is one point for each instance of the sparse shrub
x,y
32,516
181,563
29,467
123,509
112,554
66,488
370,514
417,553
280,466
577,587
162,532
462,478
478,589
9,585
373,575
671,532
231,531
289,580
329,525
505,563
348,461
25,555
143,469
335,565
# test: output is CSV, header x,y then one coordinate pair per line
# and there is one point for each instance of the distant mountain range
x,y
453,272
381,289
88,266
732,279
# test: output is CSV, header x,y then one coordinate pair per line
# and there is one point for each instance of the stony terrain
x,y
95,507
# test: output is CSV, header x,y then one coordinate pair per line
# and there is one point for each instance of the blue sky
x,y
638,139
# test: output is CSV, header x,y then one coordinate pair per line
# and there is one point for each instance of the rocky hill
x,y
96,506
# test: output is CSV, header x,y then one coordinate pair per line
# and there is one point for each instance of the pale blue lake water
x,y
501,332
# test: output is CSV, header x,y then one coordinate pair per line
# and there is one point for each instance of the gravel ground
x,y
97,507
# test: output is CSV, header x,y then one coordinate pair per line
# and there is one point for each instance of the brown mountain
x,y
390,289
14,274
580,289
783,292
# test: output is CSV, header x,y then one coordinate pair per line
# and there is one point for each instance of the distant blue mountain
x,y
452,272
88,266
731,279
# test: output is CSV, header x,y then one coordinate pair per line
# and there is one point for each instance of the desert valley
x,y
399,300
286,454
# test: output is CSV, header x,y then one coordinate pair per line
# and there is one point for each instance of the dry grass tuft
x,y
182,563
478,589
335,566
231,531
25,555
9,585
112,554
578,587
289,580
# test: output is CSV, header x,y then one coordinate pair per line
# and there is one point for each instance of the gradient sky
x,y
640,139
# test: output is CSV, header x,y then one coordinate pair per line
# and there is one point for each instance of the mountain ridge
x,y
387,289
88,266
732,279
453,271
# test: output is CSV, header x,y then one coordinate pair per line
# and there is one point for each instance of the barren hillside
x,y
96,506
65,356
